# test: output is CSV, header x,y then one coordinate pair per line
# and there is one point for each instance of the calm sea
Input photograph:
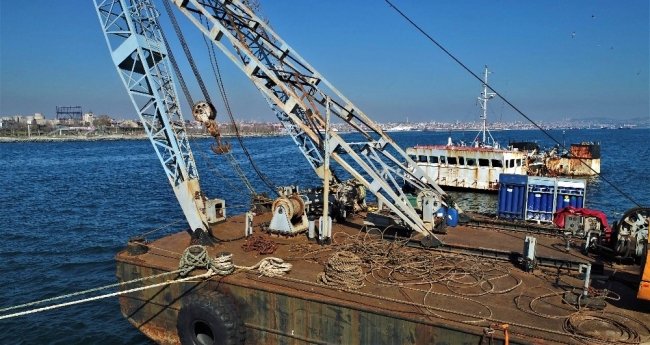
x,y
67,208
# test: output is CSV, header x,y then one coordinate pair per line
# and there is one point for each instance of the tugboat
x,y
321,265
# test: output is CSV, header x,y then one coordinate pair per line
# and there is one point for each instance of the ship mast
x,y
485,96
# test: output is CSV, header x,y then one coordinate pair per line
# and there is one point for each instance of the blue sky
x,y
53,53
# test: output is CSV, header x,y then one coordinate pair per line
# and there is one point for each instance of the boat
x,y
405,127
400,128
327,264
476,166
581,160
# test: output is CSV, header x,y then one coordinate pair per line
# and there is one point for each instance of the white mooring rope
x,y
193,257
204,275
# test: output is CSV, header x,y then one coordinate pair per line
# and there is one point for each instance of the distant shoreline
x,y
114,137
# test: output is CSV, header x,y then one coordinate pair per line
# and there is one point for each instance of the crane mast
x,y
138,51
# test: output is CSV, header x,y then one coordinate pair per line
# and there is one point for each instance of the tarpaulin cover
x,y
584,212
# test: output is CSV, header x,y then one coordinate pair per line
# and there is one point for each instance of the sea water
x,y
66,209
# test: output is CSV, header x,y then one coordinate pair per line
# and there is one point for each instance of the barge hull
x,y
297,309
274,315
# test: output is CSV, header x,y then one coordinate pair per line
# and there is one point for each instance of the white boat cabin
x,y
467,166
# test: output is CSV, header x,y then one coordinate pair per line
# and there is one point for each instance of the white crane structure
x,y
297,93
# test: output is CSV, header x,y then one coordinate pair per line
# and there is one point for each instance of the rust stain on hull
x,y
566,166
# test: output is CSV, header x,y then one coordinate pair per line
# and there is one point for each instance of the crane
x,y
141,58
297,93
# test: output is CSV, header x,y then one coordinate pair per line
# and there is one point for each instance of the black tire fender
x,y
209,317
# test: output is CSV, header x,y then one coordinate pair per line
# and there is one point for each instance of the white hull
x,y
468,167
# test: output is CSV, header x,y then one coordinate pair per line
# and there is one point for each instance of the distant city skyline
x,y
455,124
54,54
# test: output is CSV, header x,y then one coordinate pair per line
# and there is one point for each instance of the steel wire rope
x,y
214,63
391,263
188,54
573,323
162,227
204,91
510,104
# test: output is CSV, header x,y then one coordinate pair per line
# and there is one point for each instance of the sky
x,y
553,60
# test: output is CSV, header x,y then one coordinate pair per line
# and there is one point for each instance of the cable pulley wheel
x,y
204,112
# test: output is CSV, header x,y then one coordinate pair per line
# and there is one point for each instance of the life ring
x,y
209,317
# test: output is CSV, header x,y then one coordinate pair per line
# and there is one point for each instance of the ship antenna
x,y
485,96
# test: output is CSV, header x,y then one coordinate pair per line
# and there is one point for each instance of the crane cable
x,y
231,159
217,74
508,102
229,156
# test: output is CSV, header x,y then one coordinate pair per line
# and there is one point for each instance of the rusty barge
x,y
467,291
323,265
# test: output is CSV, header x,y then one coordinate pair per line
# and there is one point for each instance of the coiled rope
x,y
343,268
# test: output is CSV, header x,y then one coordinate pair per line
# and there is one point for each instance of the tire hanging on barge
x,y
209,317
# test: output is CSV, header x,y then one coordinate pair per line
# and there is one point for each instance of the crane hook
x,y
205,113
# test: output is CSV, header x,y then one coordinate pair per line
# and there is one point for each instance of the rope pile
x,y
259,243
270,267
196,256
617,326
343,269
222,264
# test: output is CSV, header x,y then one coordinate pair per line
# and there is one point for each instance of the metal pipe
x,y
326,176
587,276
566,239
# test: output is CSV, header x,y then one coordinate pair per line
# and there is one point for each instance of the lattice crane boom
x,y
298,95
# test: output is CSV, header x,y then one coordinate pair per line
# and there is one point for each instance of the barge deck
x,y
410,295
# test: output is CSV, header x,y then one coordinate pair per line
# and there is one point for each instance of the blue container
x,y
537,201
520,201
512,195
441,212
508,206
515,198
452,217
566,201
549,204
